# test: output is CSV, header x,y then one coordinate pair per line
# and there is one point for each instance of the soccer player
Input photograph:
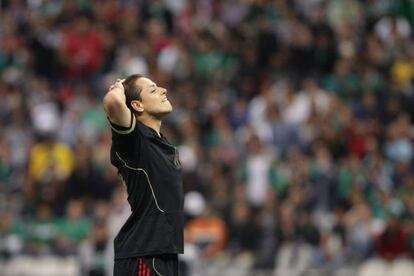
x,y
151,238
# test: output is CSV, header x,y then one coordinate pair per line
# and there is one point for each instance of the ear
x,y
137,106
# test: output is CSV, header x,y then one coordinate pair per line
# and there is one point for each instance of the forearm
x,y
113,100
115,106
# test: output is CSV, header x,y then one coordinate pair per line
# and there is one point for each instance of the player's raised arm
x,y
115,105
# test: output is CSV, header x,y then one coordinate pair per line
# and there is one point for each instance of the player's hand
x,y
118,88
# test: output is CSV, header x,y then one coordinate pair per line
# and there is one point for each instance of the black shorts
x,y
159,265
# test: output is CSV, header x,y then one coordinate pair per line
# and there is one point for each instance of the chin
x,y
166,111
169,107
169,110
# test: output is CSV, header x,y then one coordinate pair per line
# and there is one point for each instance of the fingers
x,y
118,83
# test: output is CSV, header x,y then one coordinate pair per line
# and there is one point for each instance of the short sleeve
x,y
124,141
120,130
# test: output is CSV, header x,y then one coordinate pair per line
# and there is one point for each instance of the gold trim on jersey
x,y
127,131
146,175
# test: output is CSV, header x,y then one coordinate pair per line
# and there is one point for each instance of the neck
x,y
151,122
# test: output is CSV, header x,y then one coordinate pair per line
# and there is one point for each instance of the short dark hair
x,y
132,90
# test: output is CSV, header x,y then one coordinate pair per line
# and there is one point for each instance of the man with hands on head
x,y
151,238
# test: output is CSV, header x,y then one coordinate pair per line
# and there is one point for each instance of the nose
x,y
164,91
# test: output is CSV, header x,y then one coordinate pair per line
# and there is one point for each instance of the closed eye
x,y
153,87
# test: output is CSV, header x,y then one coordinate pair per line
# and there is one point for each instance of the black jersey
x,y
150,168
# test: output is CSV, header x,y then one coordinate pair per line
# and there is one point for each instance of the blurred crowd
x,y
293,119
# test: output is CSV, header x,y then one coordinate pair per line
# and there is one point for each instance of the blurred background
x,y
293,120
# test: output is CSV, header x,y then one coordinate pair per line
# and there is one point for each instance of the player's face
x,y
154,99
